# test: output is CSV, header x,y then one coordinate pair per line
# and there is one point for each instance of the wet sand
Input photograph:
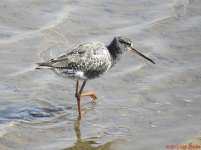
x,y
140,105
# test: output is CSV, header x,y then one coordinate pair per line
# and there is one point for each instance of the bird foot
x,y
92,95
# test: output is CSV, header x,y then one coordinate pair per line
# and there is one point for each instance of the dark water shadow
x,y
28,113
86,144
32,113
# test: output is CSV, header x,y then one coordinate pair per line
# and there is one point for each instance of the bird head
x,y
126,44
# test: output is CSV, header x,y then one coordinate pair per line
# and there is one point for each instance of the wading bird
x,y
88,61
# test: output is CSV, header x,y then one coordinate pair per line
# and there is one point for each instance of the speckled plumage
x,y
85,61
90,60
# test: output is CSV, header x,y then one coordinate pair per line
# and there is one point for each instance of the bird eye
x,y
124,42
128,44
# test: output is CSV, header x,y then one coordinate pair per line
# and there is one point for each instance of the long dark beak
x,y
135,51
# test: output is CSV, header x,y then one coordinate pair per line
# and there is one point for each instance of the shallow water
x,y
140,105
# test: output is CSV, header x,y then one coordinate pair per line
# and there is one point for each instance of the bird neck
x,y
115,51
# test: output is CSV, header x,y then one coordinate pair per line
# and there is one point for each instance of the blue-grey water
x,y
140,105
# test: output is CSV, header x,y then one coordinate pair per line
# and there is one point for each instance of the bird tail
x,y
47,64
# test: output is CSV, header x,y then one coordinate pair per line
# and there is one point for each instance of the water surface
x,y
140,105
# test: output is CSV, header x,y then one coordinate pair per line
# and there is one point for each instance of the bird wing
x,y
78,54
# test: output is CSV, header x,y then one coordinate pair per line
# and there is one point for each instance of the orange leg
x,y
79,94
91,94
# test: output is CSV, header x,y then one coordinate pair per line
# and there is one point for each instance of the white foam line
x,y
24,71
4,128
139,27
63,14
125,71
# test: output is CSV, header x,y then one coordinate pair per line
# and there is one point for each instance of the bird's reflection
x,y
86,144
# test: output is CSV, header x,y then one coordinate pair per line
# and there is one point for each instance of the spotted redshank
x,y
88,61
